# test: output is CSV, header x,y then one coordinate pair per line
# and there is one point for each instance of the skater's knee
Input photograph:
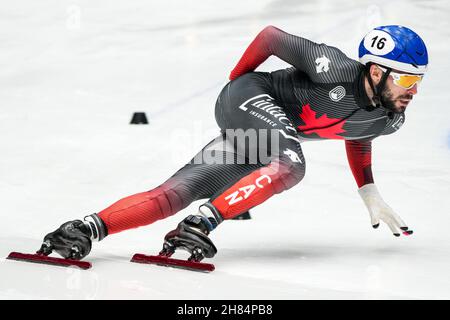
x,y
292,171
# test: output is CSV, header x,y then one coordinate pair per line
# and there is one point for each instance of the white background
x,y
73,72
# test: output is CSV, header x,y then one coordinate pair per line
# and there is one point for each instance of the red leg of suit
x,y
256,188
141,209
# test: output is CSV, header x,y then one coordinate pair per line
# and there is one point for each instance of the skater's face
x,y
395,97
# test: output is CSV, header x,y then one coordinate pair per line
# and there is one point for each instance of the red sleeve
x,y
299,52
257,52
359,155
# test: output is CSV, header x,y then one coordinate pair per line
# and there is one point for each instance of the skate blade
x,y
39,258
170,262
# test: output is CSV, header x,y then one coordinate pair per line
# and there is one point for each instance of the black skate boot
x,y
191,235
73,239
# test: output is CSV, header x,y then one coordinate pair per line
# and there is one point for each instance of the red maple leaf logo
x,y
323,126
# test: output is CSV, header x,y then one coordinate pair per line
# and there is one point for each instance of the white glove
x,y
379,210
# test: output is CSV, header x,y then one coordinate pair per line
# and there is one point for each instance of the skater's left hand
x,y
379,210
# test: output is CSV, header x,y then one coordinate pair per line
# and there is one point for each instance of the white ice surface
x,y
73,72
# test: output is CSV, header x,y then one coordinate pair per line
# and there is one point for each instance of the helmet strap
x,y
377,97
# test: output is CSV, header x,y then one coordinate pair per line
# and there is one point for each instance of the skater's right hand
x,y
379,210
71,240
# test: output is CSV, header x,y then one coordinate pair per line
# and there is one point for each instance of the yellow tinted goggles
x,y
404,80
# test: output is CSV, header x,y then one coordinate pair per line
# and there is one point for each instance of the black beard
x,y
389,103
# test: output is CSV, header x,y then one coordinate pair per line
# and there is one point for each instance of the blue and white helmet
x,y
395,47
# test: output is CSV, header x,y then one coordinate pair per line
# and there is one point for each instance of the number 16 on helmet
x,y
395,47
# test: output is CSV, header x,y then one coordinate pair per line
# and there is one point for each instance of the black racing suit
x,y
321,97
